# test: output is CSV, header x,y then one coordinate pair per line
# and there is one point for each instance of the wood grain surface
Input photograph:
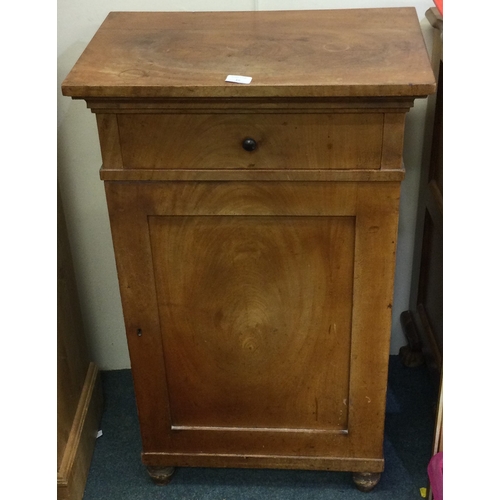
x,y
234,287
256,286
248,305
214,141
354,52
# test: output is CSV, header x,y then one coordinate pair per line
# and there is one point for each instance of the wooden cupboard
x,y
79,392
426,299
254,226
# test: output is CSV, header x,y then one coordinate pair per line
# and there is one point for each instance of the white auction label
x,y
238,79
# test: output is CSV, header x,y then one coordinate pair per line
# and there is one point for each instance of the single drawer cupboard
x,y
254,226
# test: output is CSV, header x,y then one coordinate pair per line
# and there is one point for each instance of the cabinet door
x,y
258,317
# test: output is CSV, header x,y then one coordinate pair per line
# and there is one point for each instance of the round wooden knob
x,y
249,144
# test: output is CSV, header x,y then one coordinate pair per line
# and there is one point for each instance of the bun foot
x,y
366,481
160,475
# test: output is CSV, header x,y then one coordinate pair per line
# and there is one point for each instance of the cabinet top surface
x,y
322,53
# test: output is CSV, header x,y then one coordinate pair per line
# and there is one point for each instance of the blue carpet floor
x,y
116,470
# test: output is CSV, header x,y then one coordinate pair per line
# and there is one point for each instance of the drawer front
x,y
283,141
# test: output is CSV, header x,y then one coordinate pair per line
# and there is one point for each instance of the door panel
x,y
247,306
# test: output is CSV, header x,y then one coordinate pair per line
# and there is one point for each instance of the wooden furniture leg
x,y
366,481
160,475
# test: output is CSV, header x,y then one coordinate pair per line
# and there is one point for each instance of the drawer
x,y
283,141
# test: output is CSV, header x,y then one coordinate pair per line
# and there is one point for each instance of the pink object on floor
x,y
435,472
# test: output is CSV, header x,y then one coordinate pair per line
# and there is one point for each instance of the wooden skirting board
x,y
72,474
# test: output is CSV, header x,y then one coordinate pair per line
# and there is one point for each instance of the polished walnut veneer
x,y
255,226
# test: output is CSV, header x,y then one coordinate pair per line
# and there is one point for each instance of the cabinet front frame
x,y
374,205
